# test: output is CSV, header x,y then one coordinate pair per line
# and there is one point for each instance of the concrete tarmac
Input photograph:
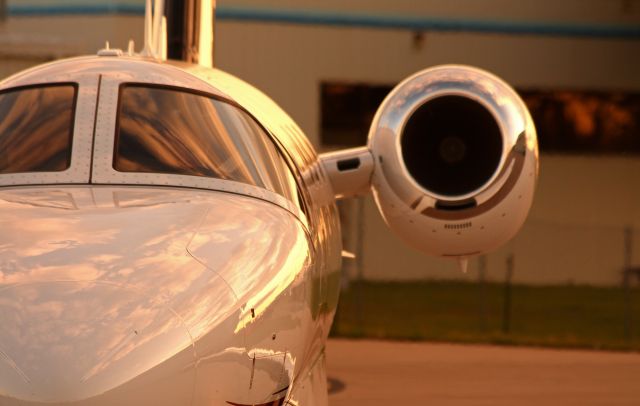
x,y
376,373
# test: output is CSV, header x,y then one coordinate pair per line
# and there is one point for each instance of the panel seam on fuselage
x,y
95,126
127,185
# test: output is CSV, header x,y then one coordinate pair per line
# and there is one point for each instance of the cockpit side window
x,y
175,131
36,128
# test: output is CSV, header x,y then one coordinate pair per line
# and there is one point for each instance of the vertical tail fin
x,y
190,25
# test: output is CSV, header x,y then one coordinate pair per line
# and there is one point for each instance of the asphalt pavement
x,y
376,373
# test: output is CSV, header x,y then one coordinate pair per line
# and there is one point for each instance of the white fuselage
x,y
124,287
170,237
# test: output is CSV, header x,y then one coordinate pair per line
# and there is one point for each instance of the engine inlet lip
x,y
489,108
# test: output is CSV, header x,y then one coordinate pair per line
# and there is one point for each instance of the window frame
x,y
107,125
82,123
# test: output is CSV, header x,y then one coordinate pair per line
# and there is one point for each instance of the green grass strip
x,y
551,316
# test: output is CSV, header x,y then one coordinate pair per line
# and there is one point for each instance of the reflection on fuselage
x,y
128,287
209,286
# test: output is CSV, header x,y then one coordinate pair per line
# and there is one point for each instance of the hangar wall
x,y
576,230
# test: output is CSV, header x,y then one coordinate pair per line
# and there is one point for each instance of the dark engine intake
x,y
451,145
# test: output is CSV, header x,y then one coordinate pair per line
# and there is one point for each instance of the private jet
x,y
169,236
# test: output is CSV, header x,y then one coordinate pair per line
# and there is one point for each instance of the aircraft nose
x,y
116,295
69,341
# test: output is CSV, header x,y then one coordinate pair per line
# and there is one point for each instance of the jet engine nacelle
x,y
455,161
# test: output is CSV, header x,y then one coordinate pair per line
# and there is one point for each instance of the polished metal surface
x,y
151,288
477,220
480,86
108,292
128,286
99,80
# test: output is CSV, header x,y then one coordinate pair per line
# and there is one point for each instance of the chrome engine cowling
x,y
455,161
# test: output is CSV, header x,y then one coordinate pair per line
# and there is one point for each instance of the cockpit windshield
x,y
174,131
36,127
